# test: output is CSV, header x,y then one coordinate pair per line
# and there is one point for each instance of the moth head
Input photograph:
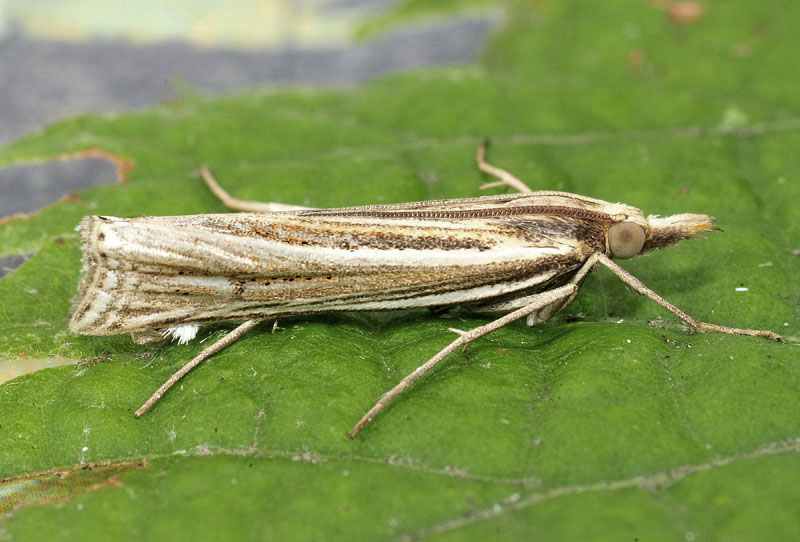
x,y
635,235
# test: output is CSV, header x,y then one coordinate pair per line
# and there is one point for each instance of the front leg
x,y
639,287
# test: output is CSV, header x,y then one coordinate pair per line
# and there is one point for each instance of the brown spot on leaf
x,y
60,485
71,198
124,166
636,62
741,50
681,12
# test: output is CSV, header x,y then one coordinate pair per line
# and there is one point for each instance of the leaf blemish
x,y
60,485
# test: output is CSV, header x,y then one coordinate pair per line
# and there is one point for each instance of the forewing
x,y
154,272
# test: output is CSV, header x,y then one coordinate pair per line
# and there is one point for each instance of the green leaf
x,y
422,11
611,421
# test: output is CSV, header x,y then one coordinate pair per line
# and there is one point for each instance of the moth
x,y
523,254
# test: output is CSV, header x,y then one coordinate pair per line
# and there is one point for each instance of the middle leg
x,y
464,338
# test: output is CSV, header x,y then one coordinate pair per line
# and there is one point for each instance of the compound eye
x,y
625,239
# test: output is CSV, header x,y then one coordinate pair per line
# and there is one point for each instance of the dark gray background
x,y
42,81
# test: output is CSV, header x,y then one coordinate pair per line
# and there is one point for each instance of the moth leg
x,y
506,178
639,287
243,205
464,337
577,279
202,356
545,313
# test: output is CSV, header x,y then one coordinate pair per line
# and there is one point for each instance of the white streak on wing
x,y
102,298
227,311
446,298
122,244
225,254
